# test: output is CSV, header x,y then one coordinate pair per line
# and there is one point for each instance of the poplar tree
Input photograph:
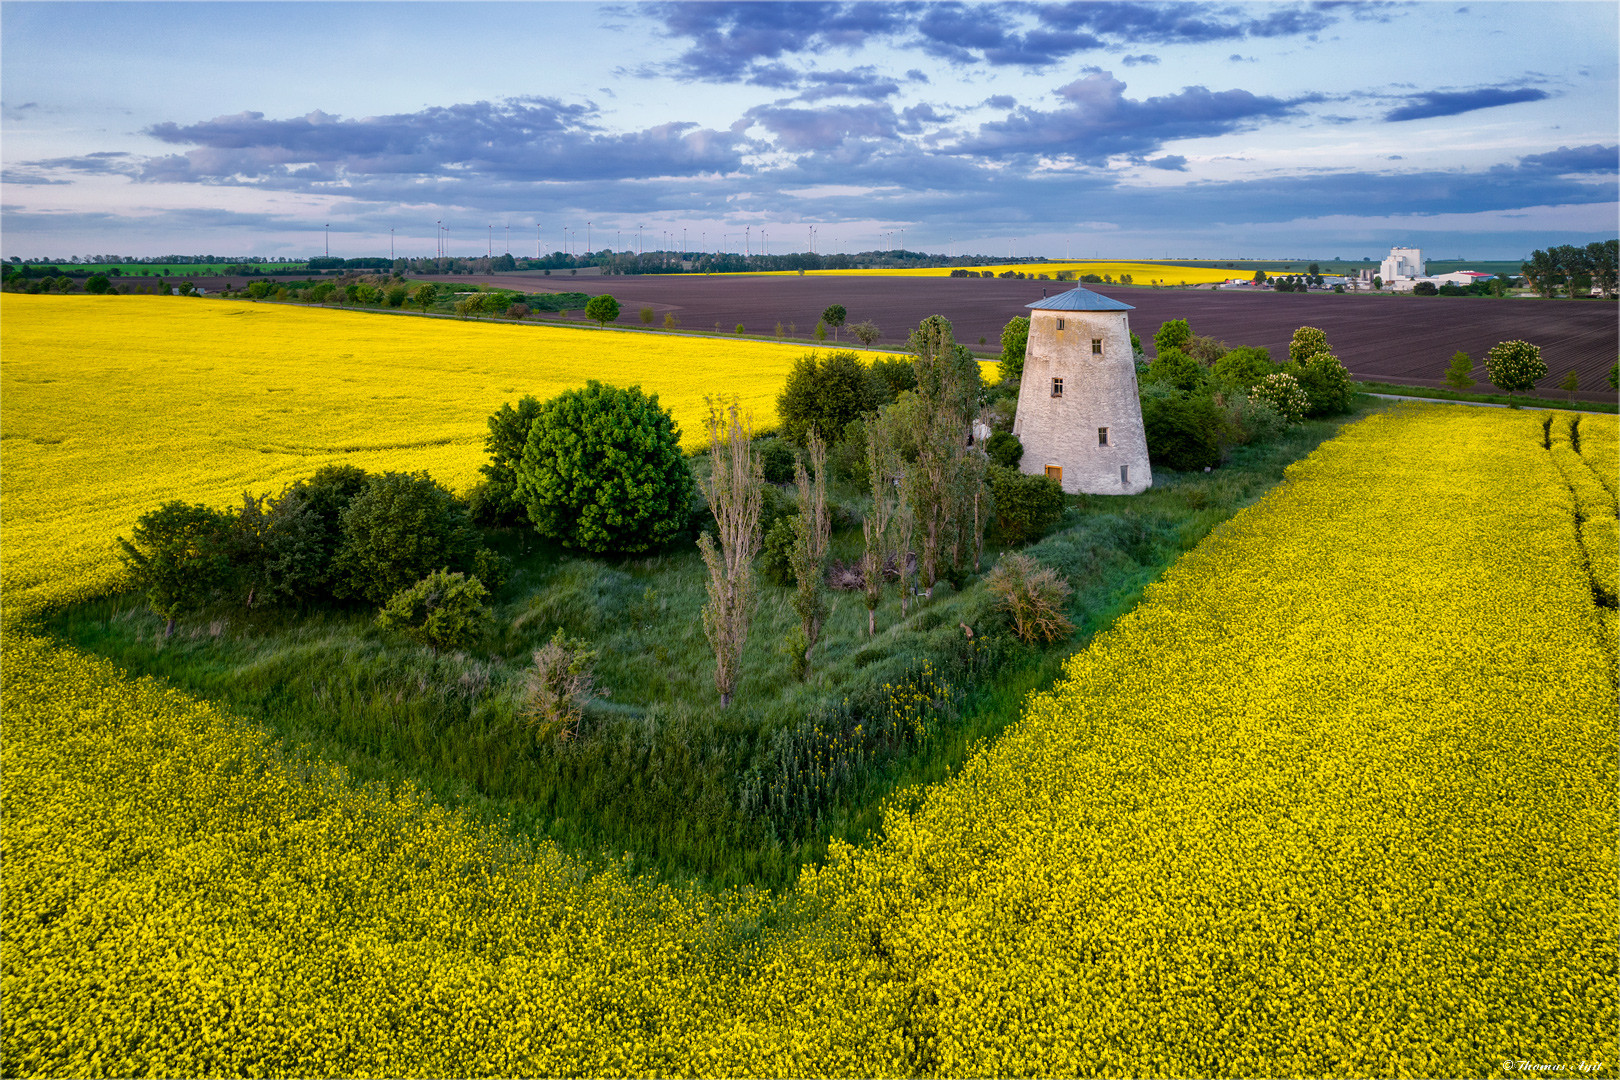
x,y
812,532
879,524
735,490
944,485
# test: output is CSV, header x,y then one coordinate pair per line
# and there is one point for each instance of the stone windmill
x,y
1079,416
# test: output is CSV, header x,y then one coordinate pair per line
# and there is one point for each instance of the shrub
x,y
1243,366
867,332
1514,365
1206,350
180,557
1459,374
824,395
444,610
508,434
847,458
395,296
739,328
1025,506
897,375
1014,344
1306,343
776,555
670,321
395,532
1183,431
776,459
1174,334
603,471
1174,368
304,532
1326,382
604,309
1005,449
646,315
1282,392
557,687
1033,595
1424,288
1250,418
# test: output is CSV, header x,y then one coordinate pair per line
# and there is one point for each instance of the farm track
x,y
1388,338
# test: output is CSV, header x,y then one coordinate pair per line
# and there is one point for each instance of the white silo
x,y
1079,416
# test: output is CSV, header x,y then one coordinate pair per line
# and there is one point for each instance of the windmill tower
x,y
1079,416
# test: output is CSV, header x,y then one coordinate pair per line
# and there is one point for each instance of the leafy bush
x,y
847,458
1459,373
897,375
180,557
498,502
776,555
603,471
1206,350
1283,393
1306,343
1174,334
1005,449
1243,366
97,284
1032,595
1252,419
867,331
1514,365
646,315
825,394
1014,344
1174,368
1424,288
1184,431
1326,382
395,532
444,610
776,460
557,687
1025,506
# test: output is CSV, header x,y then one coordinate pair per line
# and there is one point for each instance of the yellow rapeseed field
x,y
115,404
1142,273
1337,798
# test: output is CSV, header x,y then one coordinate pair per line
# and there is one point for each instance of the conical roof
x,y
1079,300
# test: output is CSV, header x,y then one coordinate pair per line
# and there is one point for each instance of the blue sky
x,y
1479,130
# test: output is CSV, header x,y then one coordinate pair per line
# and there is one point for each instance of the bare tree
x,y
810,545
735,490
879,523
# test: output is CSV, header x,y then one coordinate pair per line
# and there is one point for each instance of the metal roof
x,y
1079,300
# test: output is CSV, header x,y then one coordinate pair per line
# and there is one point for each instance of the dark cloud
x,y
526,139
1001,101
1593,158
1172,162
862,82
1099,121
739,42
1133,60
1440,103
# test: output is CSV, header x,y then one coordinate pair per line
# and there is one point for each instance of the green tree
x,y
1174,368
1614,375
424,296
897,376
825,395
736,493
444,610
1571,383
1514,365
604,309
1243,366
834,317
812,531
603,471
400,528
97,284
1174,334
867,331
180,556
1026,506
1183,431
1459,374
944,488
508,435
646,315
1259,277
1326,382
1014,344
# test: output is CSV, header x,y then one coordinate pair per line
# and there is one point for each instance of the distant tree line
x,y
1572,270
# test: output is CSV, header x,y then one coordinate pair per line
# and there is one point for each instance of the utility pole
x,y
587,238
747,241
537,243
328,228
390,243
491,252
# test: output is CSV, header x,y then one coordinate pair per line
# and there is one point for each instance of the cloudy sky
x,y
1205,130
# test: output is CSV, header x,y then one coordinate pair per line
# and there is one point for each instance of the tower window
x,y
1055,472
1057,387
1096,346
1102,436
1060,323
1124,474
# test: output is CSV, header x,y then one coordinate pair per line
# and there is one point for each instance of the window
x,y
1060,322
1096,346
1124,474
1057,387
1055,472
1102,436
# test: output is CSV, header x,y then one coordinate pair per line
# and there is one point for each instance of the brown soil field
x,y
1401,339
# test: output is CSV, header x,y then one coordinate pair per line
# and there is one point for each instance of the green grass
x,y
1511,400
723,798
